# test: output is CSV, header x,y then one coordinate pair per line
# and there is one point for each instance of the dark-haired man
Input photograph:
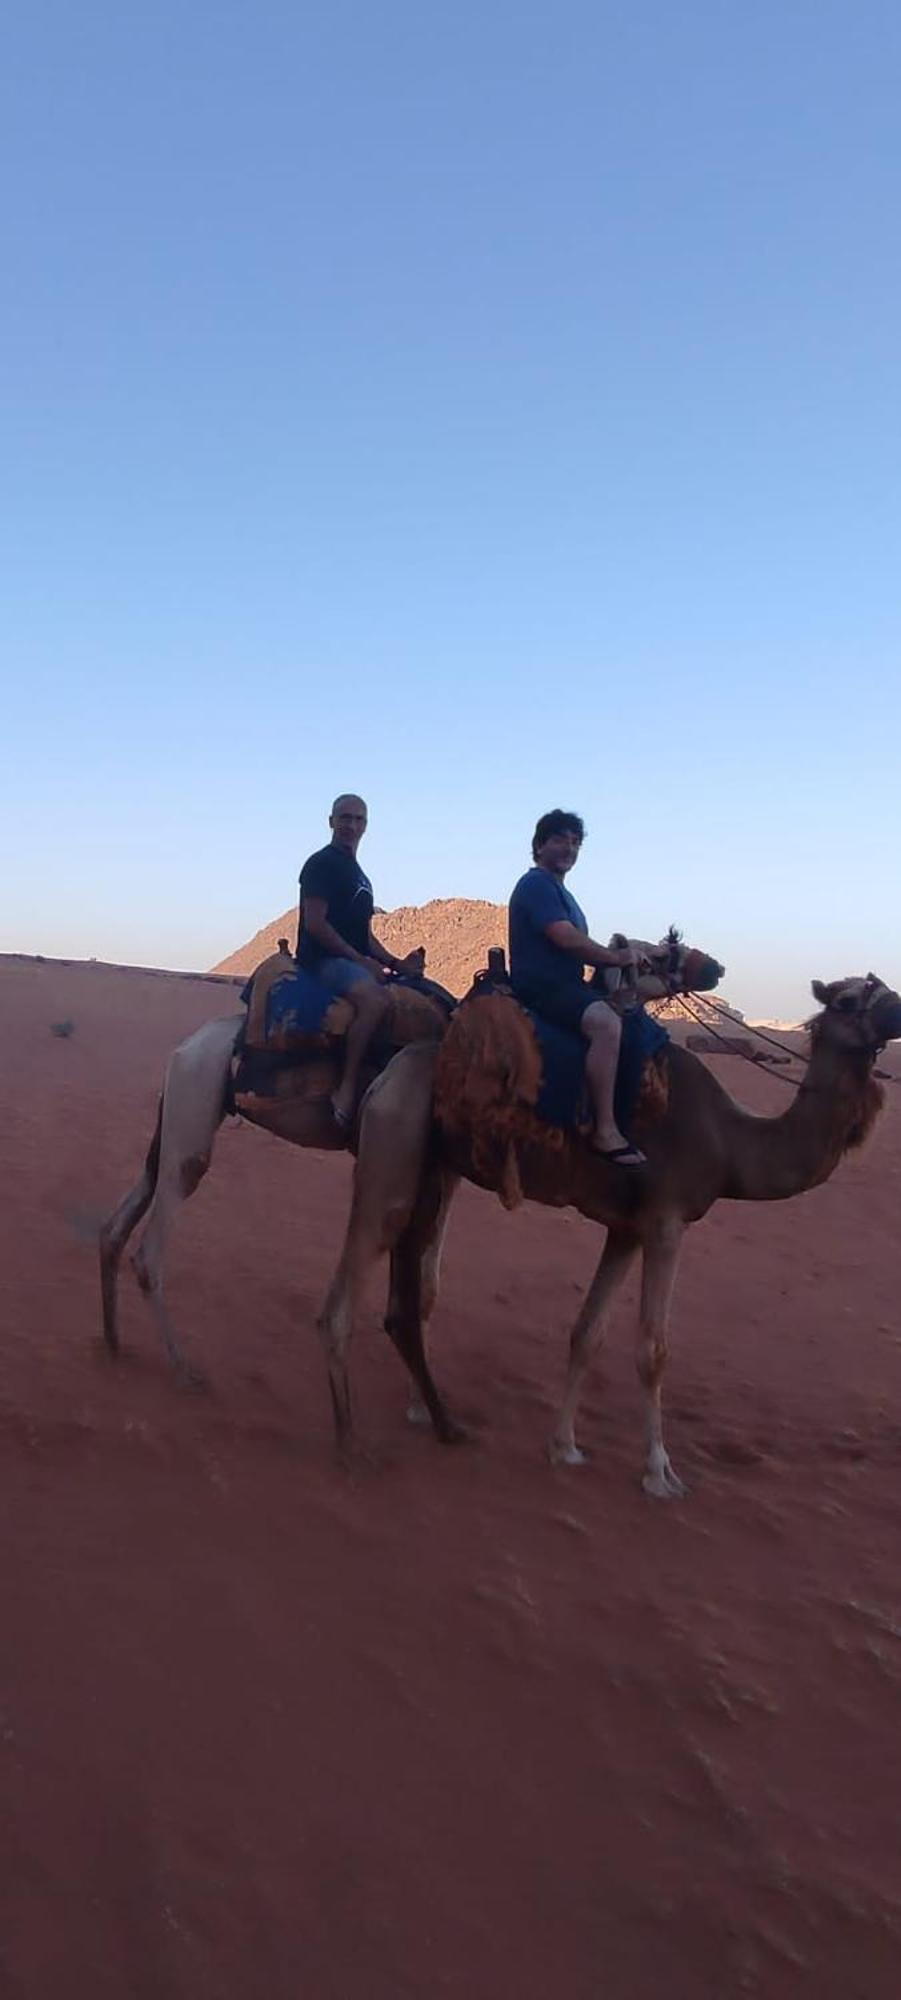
x,y
549,947
335,940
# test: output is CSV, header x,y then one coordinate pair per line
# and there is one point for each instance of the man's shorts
x,y
341,974
563,1006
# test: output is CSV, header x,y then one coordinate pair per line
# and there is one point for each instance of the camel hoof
x,y
418,1414
664,1484
358,1461
189,1377
452,1432
566,1454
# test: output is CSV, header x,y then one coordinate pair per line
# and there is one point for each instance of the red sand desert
x,y
461,1724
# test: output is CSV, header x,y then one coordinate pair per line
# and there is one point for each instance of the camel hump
x,y
413,1017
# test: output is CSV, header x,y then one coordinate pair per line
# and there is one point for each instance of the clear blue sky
x,y
485,408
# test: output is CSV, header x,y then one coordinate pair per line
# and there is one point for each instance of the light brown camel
x,y
196,1096
420,1133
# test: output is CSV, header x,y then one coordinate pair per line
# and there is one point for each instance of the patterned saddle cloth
x,y
295,1027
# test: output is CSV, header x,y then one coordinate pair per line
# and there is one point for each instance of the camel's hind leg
x,y
414,1279
116,1231
661,1258
192,1108
429,1279
394,1134
617,1255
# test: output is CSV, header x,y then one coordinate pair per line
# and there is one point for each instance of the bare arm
x,y
567,938
377,950
315,920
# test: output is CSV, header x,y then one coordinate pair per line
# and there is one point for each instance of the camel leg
x,y
193,1102
176,1183
395,1121
430,1276
404,1324
661,1257
116,1231
617,1255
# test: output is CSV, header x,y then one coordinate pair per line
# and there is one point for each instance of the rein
x,y
793,1082
794,1054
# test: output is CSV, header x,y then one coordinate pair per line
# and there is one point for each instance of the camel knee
x,y
111,1243
651,1360
146,1275
147,1259
191,1173
333,1323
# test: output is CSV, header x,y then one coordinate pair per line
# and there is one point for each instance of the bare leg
x,y
617,1255
661,1257
394,1133
603,1030
370,1004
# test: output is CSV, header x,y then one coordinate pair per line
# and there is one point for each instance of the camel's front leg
x,y
394,1129
661,1257
618,1253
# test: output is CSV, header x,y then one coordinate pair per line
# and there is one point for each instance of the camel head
x,y
677,967
858,1014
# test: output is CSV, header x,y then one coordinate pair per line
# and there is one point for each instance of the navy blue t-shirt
x,y
335,878
536,963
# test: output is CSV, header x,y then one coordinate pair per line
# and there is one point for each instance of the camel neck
x,y
771,1159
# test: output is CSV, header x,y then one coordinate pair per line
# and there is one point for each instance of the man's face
x,y
348,823
559,852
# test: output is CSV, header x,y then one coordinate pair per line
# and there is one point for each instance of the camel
x,y
420,1133
197,1093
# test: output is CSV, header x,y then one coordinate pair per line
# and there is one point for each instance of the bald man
x,y
336,944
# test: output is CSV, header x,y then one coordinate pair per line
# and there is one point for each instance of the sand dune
x,y
460,1724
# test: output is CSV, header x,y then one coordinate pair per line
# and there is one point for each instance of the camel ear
x,y
820,992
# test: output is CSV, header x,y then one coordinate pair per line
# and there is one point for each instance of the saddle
x,y
505,1079
291,1046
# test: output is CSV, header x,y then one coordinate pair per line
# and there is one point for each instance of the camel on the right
x,y
466,1109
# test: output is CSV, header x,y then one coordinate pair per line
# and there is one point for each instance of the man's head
x,y
347,820
557,840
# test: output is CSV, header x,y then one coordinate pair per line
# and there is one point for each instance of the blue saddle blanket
x,y
296,1004
563,1098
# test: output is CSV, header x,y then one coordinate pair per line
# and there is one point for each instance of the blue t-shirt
x,y
536,963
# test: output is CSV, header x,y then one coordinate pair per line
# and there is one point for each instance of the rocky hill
x,y
456,931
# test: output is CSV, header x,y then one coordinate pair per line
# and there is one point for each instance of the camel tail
x,y
116,1231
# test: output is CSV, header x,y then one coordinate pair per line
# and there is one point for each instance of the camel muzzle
x,y
700,974
886,1018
